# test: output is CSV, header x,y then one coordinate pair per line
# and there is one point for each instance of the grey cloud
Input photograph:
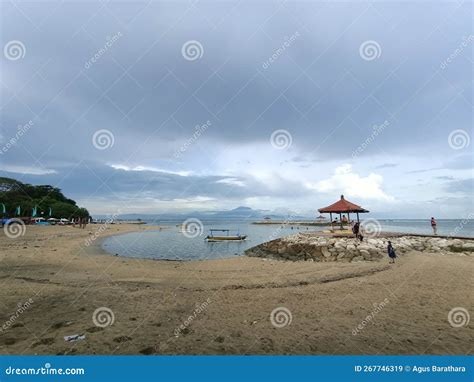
x,y
461,186
142,89
241,97
91,179
387,165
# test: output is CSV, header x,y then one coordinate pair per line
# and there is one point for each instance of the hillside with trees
x,y
49,201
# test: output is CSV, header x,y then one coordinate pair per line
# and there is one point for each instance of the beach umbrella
x,y
18,211
35,210
50,211
4,209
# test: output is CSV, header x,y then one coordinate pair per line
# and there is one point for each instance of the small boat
x,y
225,236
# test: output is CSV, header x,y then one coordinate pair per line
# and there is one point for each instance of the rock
x,y
309,246
458,243
341,255
325,252
375,250
316,252
443,243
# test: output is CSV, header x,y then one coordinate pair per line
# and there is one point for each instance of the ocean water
x,y
171,244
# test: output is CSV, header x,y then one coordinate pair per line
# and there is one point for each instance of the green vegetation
x,y
14,193
452,248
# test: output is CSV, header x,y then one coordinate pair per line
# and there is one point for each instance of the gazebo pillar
x,y
330,218
357,217
340,220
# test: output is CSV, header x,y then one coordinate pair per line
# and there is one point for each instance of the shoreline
x,y
151,300
97,245
291,223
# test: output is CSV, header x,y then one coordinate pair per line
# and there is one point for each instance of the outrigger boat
x,y
225,236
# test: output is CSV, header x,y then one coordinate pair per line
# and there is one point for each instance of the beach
x,y
55,280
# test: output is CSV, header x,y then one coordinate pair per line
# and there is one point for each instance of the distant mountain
x,y
239,213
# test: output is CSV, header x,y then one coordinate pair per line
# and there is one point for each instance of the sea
x,y
171,243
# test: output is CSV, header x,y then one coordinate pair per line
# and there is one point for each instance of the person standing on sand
x,y
433,225
391,253
355,229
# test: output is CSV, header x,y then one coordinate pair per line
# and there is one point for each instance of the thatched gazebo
x,y
343,206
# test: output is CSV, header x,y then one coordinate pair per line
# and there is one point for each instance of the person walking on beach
x,y
433,225
391,253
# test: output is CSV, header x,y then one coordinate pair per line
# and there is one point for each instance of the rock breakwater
x,y
313,247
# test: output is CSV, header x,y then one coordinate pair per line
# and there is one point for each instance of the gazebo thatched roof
x,y
342,206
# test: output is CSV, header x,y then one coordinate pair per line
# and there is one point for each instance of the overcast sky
x,y
154,106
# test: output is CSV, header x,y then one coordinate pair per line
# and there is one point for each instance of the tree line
x,y
22,199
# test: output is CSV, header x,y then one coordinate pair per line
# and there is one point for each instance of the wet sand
x,y
52,283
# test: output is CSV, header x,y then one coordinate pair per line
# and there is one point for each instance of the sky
x,y
158,106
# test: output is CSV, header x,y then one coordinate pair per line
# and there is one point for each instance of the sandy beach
x,y
224,306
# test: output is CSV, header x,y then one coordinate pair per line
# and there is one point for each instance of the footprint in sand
x,y
94,329
147,351
122,339
9,341
44,341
